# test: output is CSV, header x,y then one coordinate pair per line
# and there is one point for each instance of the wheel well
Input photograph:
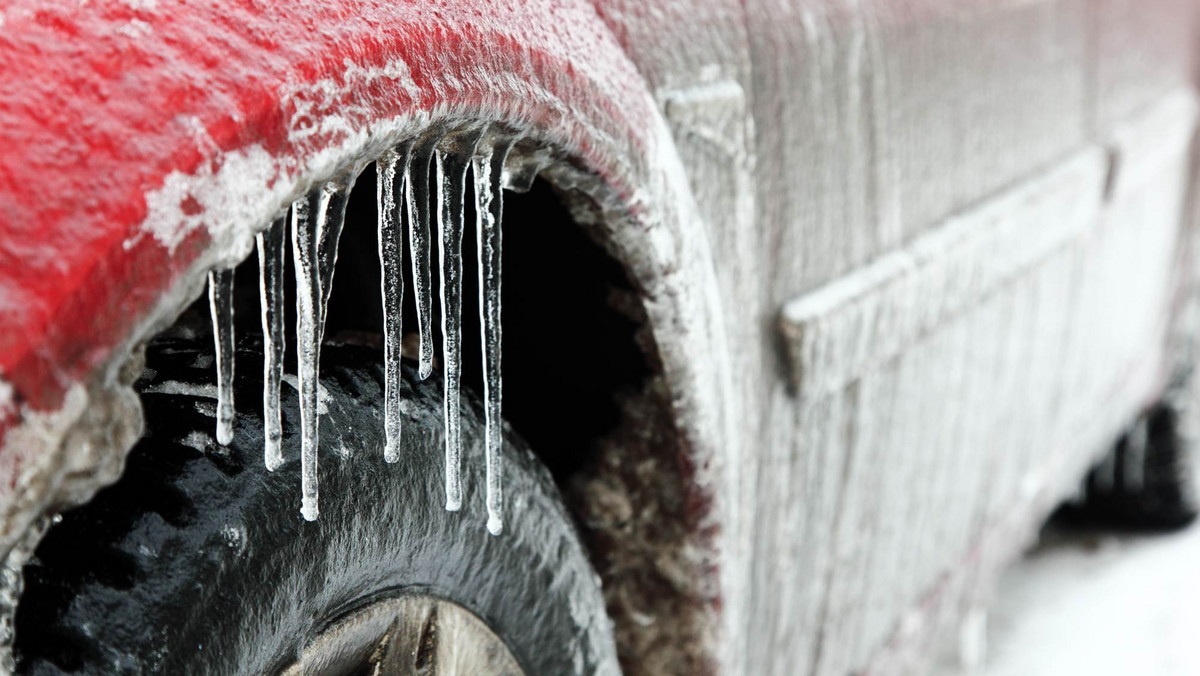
x,y
583,384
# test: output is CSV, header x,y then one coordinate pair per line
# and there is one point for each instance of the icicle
x,y
220,303
329,230
271,251
489,209
417,195
391,261
452,175
316,227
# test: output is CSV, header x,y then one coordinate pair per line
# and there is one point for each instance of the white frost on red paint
x,y
7,404
237,193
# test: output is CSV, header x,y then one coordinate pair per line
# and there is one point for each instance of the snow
x,y
1100,604
220,300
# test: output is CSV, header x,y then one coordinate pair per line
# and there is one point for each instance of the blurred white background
x,y
1100,604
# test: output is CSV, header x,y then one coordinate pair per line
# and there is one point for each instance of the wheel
x,y
1149,478
197,561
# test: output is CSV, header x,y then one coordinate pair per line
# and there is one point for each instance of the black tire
x,y
1149,479
197,561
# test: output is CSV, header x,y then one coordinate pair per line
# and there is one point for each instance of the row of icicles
x,y
316,225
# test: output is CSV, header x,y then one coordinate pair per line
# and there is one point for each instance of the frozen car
x,y
811,311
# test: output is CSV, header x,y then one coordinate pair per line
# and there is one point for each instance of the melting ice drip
x,y
316,226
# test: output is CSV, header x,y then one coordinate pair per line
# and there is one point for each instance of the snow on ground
x,y
1100,604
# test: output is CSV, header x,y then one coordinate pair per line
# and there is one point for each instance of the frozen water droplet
x,y
416,184
495,524
489,209
518,176
220,303
271,250
391,260
452,176
317,221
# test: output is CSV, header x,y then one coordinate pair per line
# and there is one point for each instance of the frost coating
x,y
489,209
316,227
240,190
391,261
220,302
235,193
271,248
866,317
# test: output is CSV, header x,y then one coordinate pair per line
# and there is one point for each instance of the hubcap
x,y
413,634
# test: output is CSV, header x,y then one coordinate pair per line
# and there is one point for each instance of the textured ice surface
x,y
1130,599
